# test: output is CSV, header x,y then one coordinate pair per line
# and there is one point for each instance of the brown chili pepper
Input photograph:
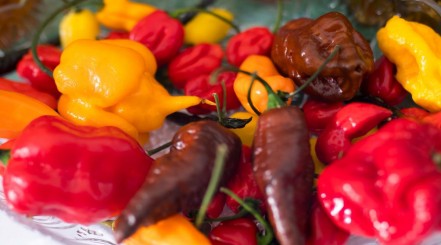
x,y
178,180
284,171
302,45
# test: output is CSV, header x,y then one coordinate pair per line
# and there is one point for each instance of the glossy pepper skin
x,y
29,70
78,174
200,86
319,114
414,49
256,40
161,34
111,83
382,83
198,60
284,171
383,178
27,89
78,24
353,120
216,206
241,231
178,180
302,45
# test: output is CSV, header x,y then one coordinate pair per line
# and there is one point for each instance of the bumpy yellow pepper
x,y
416,50
78,24
123,14
170,231
111,83
206,28
246,134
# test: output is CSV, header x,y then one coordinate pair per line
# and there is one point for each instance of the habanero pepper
x,y
319,114
384,177
117,35
78,174
29,70
78,24
216,206
241,231
27,89
161,34
201,59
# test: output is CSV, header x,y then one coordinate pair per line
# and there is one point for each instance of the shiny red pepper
x,y
382,83
318,114
216,206
28,69
414,113
201,59
387,186
79,174
117,35
353,120
242,231
160,33
243,183
27,89
256,40
200,86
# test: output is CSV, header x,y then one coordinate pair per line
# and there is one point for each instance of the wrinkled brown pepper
x,y
177,181
302,45
284,172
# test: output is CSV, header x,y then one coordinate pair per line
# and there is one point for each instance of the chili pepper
x,y
201,59
264,67
246,134
117,35
216,206
243,183
27,89
284,171
161,34
353,120
179,179
302,45
28,69
318,114
173,230
414,113
17,111
383,178
206,28
241,231
318,165
78,24
200,86
78,174
254,41
123,14
382,83
111,83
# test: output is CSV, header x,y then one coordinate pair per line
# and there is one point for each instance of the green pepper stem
x,y
250,102
240,214
218,168
5,155
220,114
159,148
279,16
436,157
269,235
178,12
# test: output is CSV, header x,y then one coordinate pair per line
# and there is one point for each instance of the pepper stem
x,y
5,155
436,157
216,174
159,148
279,16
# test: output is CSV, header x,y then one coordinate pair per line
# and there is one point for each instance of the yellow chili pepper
x,y
266,70
206,28
246,134
416,50
78,24
17,111
123,14
170,231
111,83
318,165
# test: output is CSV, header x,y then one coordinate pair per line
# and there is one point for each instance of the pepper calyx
x,y
5,155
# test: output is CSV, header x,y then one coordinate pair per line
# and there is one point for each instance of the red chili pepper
x,y
201,59
387,186
200,86
353,120
161,34
414,113
318,114
242,231
27,89
79,174
382,83
243,183
256,40
216,206
117,35
28,69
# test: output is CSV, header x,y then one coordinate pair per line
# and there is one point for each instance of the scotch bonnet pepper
x,y
414,49
383,178
111,83
78,24
78,174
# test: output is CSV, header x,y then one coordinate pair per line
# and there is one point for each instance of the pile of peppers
x,y
295,135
